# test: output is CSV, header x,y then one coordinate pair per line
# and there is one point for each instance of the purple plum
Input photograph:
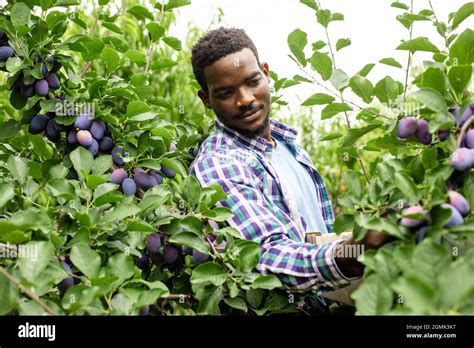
x,y
456,218
118,176
413,222
462,159
406,127
422,133
459,202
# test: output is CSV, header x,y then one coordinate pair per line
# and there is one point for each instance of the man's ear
x,y
204,95
266,70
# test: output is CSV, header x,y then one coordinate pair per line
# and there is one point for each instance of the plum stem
x,y
437,22
31,295
464,129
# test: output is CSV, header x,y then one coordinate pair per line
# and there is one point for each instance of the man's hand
x,y
349,266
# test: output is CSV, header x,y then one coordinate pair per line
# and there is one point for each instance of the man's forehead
x,y
242,62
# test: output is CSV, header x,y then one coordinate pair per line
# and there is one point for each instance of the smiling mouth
x,y
248,114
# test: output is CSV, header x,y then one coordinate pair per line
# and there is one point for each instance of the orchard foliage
x,y
407,156
99,125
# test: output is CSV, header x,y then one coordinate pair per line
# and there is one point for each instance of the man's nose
x,y
245,97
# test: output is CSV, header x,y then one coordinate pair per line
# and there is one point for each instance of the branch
x,y
409,58
31,295
464,129
88,65
152,46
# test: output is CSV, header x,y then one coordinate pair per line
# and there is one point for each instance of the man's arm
x,y
299,265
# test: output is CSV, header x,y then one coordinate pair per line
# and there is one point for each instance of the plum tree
x,y
153,243
129,188
97,130
84,138
413,222
169,173
41,87
83,121
5,53
38,124
462,158
53,81
459,202
422,133
456,218
170,254
117,156
406,127
106,143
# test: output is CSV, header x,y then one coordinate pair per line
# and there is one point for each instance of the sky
x,y
370,24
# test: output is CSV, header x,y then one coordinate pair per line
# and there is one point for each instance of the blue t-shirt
x,y
298,179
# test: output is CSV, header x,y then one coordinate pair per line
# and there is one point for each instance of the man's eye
x,y
254,82
224,95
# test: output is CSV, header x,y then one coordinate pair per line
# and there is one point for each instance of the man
x,y
275,192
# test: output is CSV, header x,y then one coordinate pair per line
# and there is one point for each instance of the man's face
x,y
238,92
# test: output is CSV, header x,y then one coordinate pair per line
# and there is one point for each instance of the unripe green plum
x,y
406,127
459,202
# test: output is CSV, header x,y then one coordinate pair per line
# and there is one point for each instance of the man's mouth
x,y
249,113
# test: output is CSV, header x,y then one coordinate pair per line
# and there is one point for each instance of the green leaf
x,y
221,214
254,297
173,42
362,87
33,262
141,12
18,168
366,69
297,41
9,129
355,133
434,78
330,136
112,27
175,4
462,50
323,17
459,77
416,296
322,64
209,299
102,164
135,56
61,188
111,58
20,14
432,99
189,239
14,64
121,266
120,212
9,295
386,90
318,45
318,99
400,5
406,184
343,223
418,44
310,3
209,272
373,297
341,43
237,303
249,256
460,15
390,61
6,194
339,79
456,282
91,48
156,31
82,160
334,109
86,260
268,282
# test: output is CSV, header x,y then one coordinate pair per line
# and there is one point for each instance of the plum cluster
x,y
409,127
460,119
419,220
463,157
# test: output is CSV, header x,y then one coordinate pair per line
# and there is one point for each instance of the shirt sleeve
x,y
300,266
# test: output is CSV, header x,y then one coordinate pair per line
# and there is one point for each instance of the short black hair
x,y
216,44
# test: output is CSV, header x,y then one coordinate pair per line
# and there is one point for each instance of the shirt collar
x,y
260,144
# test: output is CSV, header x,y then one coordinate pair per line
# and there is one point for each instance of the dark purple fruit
x,y
153,243
462,158
456,218
412,222
53,81
186,250
169,173
84,138
421,233
53,130
443,134
129,188
422,133
458,201
71,137
118,176
157,177
97,130
67,282
170,254
144,310
94,147
38,124
5,53
41,87
406,127
83,121
27,91
117,155
56,65
106,144
142,262
44,70
200,257
144,180
470,138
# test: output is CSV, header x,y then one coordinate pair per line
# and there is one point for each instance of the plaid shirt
x,y
262,213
